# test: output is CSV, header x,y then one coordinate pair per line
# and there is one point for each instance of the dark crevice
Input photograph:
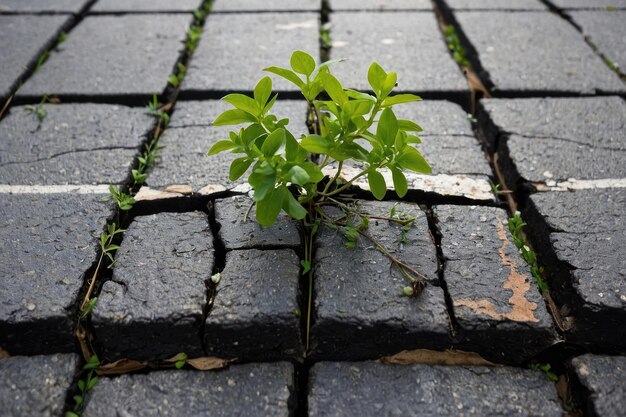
x,y
219,263
301,408
128,100
72,151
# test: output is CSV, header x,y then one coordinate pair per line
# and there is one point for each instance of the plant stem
x,y
334,180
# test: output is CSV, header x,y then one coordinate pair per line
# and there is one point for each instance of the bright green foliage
x,y
124,201
454,44
106,242
39,109
516,226
85,385
283,174
176,79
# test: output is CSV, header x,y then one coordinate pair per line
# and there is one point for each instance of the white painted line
x,y
54,189
573,184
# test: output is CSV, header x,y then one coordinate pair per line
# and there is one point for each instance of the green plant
x,y
545,368
39,109
516,226
154,109
454,44
85,385
325,38
124,201
193,37
176,79
146,160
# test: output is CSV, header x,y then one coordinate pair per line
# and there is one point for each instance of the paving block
x,y
236,231
535,53
23,39
493,4
153,306
37,6
36,385
264,6
145,6
74,144
606,30
108,56
580,234
380,5
240,390
256,312
602,378
374,389
408,43
358,293
184,159
497,305
551,140
235,48
589,4
51,241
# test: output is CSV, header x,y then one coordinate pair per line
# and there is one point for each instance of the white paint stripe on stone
x,y
54,189
574,184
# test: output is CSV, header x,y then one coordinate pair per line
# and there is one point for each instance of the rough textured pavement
x,y
536,124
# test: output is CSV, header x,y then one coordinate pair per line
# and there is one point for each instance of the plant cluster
x,y
454,44
85,385
516,226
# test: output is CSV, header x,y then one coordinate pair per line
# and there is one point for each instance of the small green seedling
x,y
516,226
155,110
85,385
39,109
124,201
176,79
88,308
454,44
193,37
545,368
146,161
182,360
325,38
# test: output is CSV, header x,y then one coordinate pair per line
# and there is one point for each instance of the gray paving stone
x,y
153,306
535,52
237,233
589,4
606,30
126,6
268,5
184,159
358,294
256,315
497,306
581,235
235,48
407,43
36,386
555,139
603,378
113,56
74,144
22,41
241,390
51,241
380,5
374,389
38,6
495,5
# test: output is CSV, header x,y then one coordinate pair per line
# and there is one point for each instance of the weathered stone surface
x,y
589,4
126,6
74,144
38,6
113,55
602,377
358,293
240,390
497,306
235,48
407,43
606,30
238,233
184,159
33,34
535,52
494,4
581,234
269,5
48,242
154,304
380,5
256,315
554,139
373,389
36,385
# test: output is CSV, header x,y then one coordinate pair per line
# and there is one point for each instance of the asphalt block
x,y
551,140
536,53
51,241
125,55
145,6
498,308
493,5
153,306
238,228
380,5
23,39
408,43
374,389
602,378
235,48
35,6
580,235
256,312
358,293
606,31
36,385
240,390
271,5
73,144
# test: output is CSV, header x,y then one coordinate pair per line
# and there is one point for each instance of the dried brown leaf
x,y
207,363
178,357
122,366
434,357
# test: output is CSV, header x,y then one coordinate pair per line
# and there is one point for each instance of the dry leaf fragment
x,y
434,357
4,354
207,363
122,366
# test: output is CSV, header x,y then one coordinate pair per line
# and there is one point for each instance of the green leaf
x,y
270,103
220,146
410,158
293,151
262,92
238,167
297,175
81,385
376,76
357,95
233,117
387,127
334,89
409,126
314,171
71,414
388,84
291,205
399,182
287,74
244,103
377,184
267,209
306,266
262,182
401,141
316,144
273,142
302,63
413,139
358,107
399,99
92,383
